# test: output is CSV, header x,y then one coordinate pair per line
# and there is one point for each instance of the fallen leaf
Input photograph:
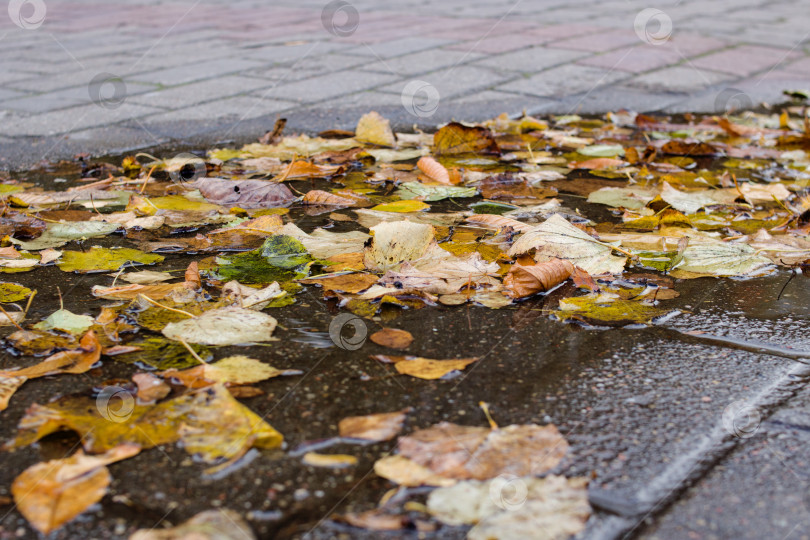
x,y
329,461
52,493
425,368
392,338
223,326
220,524
455,138
373,427
208,422
406,205
244,193
468,452
373,128
104,259
557,238
513,508
396,242
525,280
434,170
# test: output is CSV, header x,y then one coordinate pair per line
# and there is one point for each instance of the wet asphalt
x,y
642,409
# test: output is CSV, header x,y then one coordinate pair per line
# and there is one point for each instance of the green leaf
x,y
66,321
424,192
161,354
602,150
281,258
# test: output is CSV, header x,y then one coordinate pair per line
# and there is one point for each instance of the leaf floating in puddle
x,y
602,308
104,259
209,422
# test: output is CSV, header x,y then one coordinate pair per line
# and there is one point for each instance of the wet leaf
x,y
161,354
396,242
373,128
59,234
557,238
52,493
221,524
455,138
722,259
373,427
434,170
66,321
244,193
514,508
602,150
209,422
329,461
632,198
402,206
454,452
424,192
13,292
606,308
224,326
525,280
690,202
104,259
392,338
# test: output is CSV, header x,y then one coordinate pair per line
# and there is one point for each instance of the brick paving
x,y
116,76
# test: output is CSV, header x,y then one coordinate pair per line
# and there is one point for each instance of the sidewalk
x,y
95,77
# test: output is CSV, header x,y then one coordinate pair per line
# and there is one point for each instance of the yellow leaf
x,y
409,205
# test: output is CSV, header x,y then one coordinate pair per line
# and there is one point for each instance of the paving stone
x,y
328,86
421,62
744,60
530,60
72,119
195,71
683,78
636,59
400,47
461,80
200,92
600,41
564,80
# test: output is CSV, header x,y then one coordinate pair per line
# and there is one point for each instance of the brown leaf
x,y
434,170
509,187
392,338
324,198
222,524
583,280
373,427
455,138
150,388
9,385
348,283
305,169
468,452
52,493
375,520
73,361
499,222
244,193
684,148
527,280
598,163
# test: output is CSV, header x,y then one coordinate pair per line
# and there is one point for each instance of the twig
x,y
194,354
186,313
10,319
